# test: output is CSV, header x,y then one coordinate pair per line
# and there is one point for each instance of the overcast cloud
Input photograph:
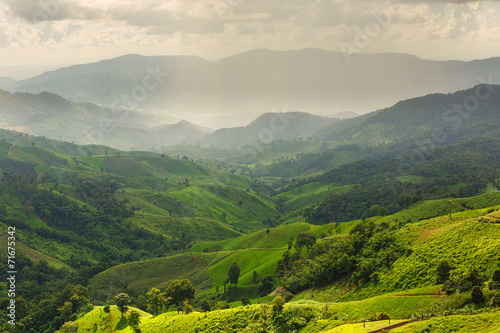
x,y
68,31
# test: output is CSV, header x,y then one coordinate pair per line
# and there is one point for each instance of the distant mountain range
x,y
50,115
309,80
435,119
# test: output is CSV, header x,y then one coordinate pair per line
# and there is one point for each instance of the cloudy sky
x,y
36,33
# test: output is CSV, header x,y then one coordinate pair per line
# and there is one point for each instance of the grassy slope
x,y
327,315
460,239
140,277
480,323
32,253
310,194
86,323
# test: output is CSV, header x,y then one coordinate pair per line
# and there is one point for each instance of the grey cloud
x,y
160,22
36,11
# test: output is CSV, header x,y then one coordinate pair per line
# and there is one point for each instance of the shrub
x,y
245,301
383,316
204,306
278,304
477,295
187,308
221,305
443,271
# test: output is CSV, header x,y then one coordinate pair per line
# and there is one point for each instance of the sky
x,y
36,35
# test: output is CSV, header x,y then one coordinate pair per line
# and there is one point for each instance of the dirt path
x,y
10,150
198,259
391,327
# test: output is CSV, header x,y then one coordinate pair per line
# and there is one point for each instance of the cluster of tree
x,y
179,293
45,297
470,282
367,249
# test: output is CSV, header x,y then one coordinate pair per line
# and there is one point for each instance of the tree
x,y
477,295
66,310
255,277
305,239
204,306
245,301
267,232
187,307
157,301
433,190
443,272
134,320
179,291
496,276
69,327
234,273
122,300
266,285
377,210
278,304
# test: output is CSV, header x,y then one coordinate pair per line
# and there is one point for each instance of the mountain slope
x,y
441,118
269,127
310,80
47,114
106,80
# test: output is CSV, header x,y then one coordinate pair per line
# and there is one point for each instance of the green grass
x,y
311,194
198,229
141,276
278,238
460,239
484,322
97,318
361,327
33,254
214,201
262,261
327,315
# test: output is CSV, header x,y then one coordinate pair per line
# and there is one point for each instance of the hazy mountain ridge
x,y
270,127
312,80
50,115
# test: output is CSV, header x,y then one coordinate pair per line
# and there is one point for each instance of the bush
x,y
107,309
266,285
477,295
245,301
204,306
278,304
187,308
443,271
221,305
383,316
